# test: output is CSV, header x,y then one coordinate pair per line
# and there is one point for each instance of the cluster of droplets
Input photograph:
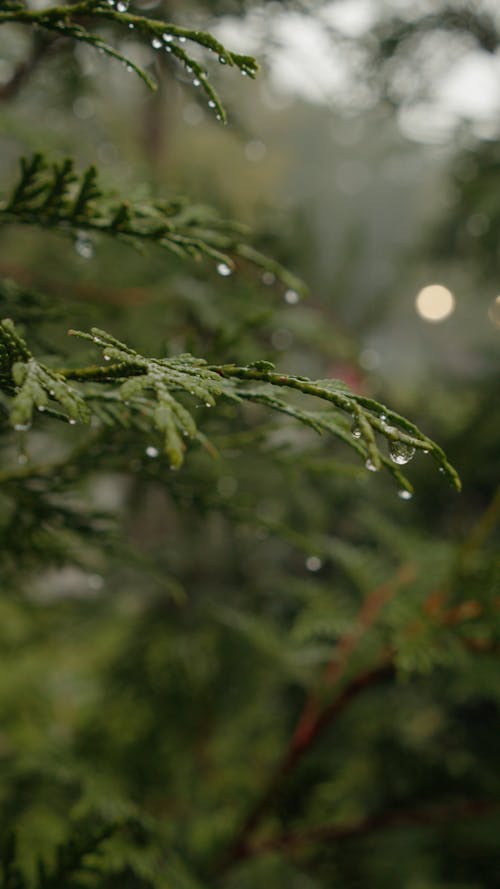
x,y
119,5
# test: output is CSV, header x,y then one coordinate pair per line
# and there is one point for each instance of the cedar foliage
x,y
247,671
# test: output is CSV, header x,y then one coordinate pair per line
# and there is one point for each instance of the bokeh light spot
x,y
435,303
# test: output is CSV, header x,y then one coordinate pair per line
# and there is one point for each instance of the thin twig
x,y
424,817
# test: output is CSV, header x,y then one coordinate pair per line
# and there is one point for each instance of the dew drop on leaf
x,y
400,452
404,494
370,465
291,297
151,451
223,269
356,430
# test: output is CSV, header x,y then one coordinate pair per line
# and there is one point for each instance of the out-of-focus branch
x,y
42,45
389,820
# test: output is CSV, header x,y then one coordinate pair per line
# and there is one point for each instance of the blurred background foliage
x,y
266,669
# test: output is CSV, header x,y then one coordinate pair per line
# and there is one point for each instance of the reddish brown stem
x,y
424,817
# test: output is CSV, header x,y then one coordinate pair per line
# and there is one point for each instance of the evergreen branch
x,y
194,377
32,385
54,196
66,20
403,438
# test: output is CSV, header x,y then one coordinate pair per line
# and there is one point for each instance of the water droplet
x,y
426,451
72,421
291,297
313,563
404,494
370,465
224,270
22,459
211,103
222,60
383,417
208,404
400,452
131,26
182,39
268,278
41,408
152,451
156,43
218,117
121,6
107,358
196,82
84,247
168,49
167,37
356,431
243,73
22,427
52,392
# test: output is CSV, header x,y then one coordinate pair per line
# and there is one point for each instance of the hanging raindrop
x,y
224,270
156,43
121,6
400,452
83,246
313,563
370,465
151,451
404,494
356,431
291,297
